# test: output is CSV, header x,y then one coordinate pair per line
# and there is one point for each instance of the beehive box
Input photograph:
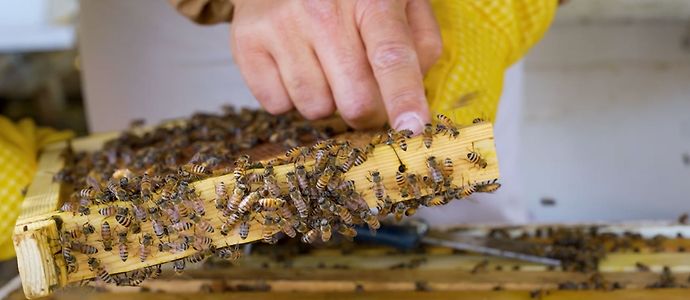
x,y
59,237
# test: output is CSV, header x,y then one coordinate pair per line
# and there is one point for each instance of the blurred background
x,y
605,125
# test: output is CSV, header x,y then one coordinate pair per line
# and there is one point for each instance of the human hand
x,y
365,58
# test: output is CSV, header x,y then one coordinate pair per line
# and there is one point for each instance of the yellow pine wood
x,y
35,244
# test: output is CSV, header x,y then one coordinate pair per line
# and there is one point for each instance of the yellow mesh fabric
x,y
481,39
19,146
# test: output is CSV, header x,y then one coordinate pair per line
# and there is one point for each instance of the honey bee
x,y
236,198
84,248
355,158
221,195
271,184
248,202
344,214
299,203
271,204
476,159
467,190
196,203
107,211
70,259
145,187
347,231
434,201
199,256
101,273
88,193
375,140
178,266
145,247
154,272
384,207
428,135
325,178
106,236
244,228
123,217
401,181
228,253
447,167
310,236
117,188
182,226
488,187
371,220
446,125
397,137
400,209
436,174
377,185
287,228
139,213
122,245
195,169
202,243
326,230
302,178
296,153
201,224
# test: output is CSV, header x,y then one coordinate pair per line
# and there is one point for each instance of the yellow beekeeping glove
x,y
19,147
481,39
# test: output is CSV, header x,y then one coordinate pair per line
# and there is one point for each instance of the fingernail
x,y
409,120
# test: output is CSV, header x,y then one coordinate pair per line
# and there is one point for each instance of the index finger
x,y
391,52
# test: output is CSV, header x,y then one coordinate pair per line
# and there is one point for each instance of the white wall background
x,y
607,114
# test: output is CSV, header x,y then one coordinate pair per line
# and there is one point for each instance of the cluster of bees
x,y
139,189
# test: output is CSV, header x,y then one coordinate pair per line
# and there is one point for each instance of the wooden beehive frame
x,y
43,269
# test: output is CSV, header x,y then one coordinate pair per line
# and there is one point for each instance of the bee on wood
x,y
325,178
434,171
310,236
173,212
326,230
153,272
375,140
87,193
377,185
401,181
344,214
244,227
287,228
123,217
271,204
202,243
488,187
145,247
400,209
117,189
122,245
355,158
371,220
145,187
182,226
321,158
269,229
296,153
476,159
384,207
299,203
178,265
237,195
107,211
229,253
221,195
302,178
70,206
157,223
446,126
201,224
447,167
106,236
196,203
139,213
248,202
397,137
434,201
199,256
85,248
197,170
428,135
347,231
271,184
467,190
101,273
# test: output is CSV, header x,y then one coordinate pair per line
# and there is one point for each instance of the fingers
x,y
393,58
304,80
425,33
261,74
343,58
